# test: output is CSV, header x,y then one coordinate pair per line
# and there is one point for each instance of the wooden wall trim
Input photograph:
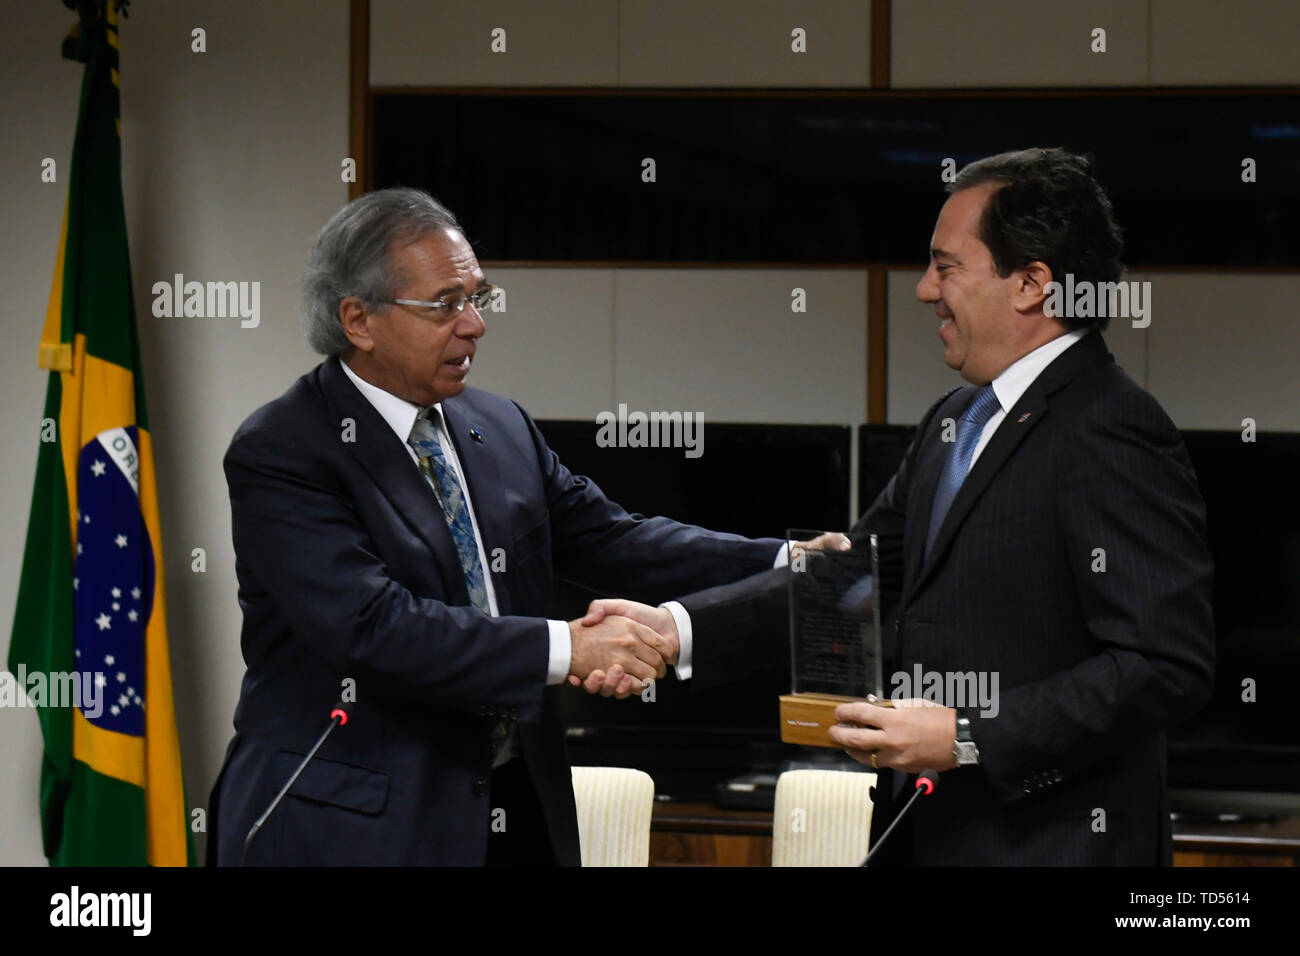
x,y
819,92
359,125
912,267
881,44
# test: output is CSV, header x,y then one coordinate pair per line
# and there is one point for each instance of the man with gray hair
x,y
396,537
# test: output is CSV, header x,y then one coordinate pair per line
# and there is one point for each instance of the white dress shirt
x,y
1008,387
1016,378
400,416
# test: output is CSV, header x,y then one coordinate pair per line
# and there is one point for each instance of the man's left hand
x,y
911,736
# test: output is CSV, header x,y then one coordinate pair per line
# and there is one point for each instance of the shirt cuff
x,y
561,652
783,554
683,621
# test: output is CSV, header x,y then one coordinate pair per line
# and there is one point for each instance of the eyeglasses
x,y
453,306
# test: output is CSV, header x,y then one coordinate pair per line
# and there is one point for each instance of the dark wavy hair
x,y
1048,208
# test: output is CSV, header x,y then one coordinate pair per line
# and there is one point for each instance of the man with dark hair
x,y
1053,538
1047,207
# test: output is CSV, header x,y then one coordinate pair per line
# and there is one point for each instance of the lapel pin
x,y
1023,418
477,435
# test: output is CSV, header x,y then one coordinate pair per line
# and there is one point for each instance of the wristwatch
x,y
964,750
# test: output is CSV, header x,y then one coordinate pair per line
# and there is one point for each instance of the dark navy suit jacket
x,y
347,570
1093,665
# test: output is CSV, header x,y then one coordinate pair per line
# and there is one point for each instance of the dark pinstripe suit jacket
x,y
1093,665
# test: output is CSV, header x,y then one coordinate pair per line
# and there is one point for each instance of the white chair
x,y
822,818
614,808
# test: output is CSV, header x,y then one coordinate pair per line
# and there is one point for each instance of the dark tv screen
x,y
1253,518
831,176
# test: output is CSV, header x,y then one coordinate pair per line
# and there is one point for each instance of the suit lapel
x,y
475,449
1010,433
1025,416
385,458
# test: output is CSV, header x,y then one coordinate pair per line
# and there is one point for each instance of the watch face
x,y
966,753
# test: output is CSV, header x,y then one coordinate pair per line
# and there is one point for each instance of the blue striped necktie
x,y
442,479
958,461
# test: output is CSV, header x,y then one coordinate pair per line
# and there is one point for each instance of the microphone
x,y
926,781
338,717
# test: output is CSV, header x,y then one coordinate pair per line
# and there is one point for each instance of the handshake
x,y
620,645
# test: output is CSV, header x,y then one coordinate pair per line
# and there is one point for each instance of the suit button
x,y
480,788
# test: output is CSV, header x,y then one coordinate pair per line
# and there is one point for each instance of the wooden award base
x,y
807,718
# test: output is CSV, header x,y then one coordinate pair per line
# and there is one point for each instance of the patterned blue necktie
x,y
442,479
958,462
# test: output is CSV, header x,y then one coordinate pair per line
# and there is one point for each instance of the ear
x,y
356,323
1031,287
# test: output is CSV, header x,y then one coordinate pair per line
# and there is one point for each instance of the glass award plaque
x,y
835,637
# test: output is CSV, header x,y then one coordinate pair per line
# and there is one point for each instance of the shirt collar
x,y
398,412
1020,374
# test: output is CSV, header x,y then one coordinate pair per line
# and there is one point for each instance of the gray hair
x,y
351,255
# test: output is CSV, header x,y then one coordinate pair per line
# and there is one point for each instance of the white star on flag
x,y
116,592
108,659
120,541
104,622
100,680
114,710
121,678
135,593
97,469
132,615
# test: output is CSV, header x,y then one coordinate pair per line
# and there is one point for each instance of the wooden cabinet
x,y
700,834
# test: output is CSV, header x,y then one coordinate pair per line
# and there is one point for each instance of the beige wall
x,y
650,43
230,162
722,342
35,77
1028,43
1219,348
935,44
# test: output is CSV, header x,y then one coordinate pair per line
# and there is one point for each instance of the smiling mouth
x,y
461,364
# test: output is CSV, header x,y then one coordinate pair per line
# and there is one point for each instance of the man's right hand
x,y
613,682
617,643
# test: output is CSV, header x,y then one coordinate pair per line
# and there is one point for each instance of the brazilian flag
x,y
90,599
